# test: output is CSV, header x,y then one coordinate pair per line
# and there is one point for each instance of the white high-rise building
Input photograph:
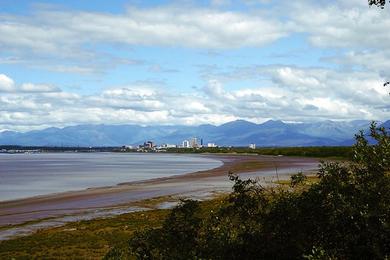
x,y
252,146
186,144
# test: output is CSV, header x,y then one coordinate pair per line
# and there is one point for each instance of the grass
x,y
310,179
84,239
90,239
248,166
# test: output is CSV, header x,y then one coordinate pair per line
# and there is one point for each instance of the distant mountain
x,y
235,133
386,124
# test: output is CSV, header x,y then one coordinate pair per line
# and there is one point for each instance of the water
x,y
28,175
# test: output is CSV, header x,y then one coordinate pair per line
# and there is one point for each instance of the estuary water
x,y
28,175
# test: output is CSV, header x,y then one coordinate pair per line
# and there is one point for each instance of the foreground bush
x,y
343,216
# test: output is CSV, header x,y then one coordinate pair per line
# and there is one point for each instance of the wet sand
x,y
198,184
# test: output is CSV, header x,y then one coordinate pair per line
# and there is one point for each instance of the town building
x,y
186,144
194,142
168,146
147,145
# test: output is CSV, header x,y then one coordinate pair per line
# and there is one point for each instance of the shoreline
x,y
195,184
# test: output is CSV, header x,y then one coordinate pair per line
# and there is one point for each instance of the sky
x,y
189,62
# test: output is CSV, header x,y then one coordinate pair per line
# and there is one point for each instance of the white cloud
x,y
65,40
6,83
63,32
220,2
342,24
296,93
70,35
215,90
354,90
360,97
377,61
30,87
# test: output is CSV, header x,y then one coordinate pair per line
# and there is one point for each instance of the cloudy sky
x,y
191,62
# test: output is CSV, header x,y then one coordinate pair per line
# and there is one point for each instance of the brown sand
x,y
214,180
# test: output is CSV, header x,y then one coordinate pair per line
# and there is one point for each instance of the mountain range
x,y
235,133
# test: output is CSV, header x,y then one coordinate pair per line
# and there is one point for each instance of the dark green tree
x,y
175,240
379,3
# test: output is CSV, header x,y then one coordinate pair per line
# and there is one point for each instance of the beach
x,y
197,185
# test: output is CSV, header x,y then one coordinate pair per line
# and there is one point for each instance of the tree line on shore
x,y
311,151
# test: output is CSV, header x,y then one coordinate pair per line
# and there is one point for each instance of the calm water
x,y
27,175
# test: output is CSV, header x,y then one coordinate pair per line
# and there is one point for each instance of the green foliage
x,y
346,215
379,3
175,239
297,179
314,151
317,254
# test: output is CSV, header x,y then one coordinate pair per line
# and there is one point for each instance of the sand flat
x,y
214,180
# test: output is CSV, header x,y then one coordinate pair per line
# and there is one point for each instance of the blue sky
x,y
191,62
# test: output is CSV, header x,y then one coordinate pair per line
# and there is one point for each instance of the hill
x,y
235,133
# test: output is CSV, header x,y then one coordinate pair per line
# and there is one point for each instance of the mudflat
x,y
201,183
